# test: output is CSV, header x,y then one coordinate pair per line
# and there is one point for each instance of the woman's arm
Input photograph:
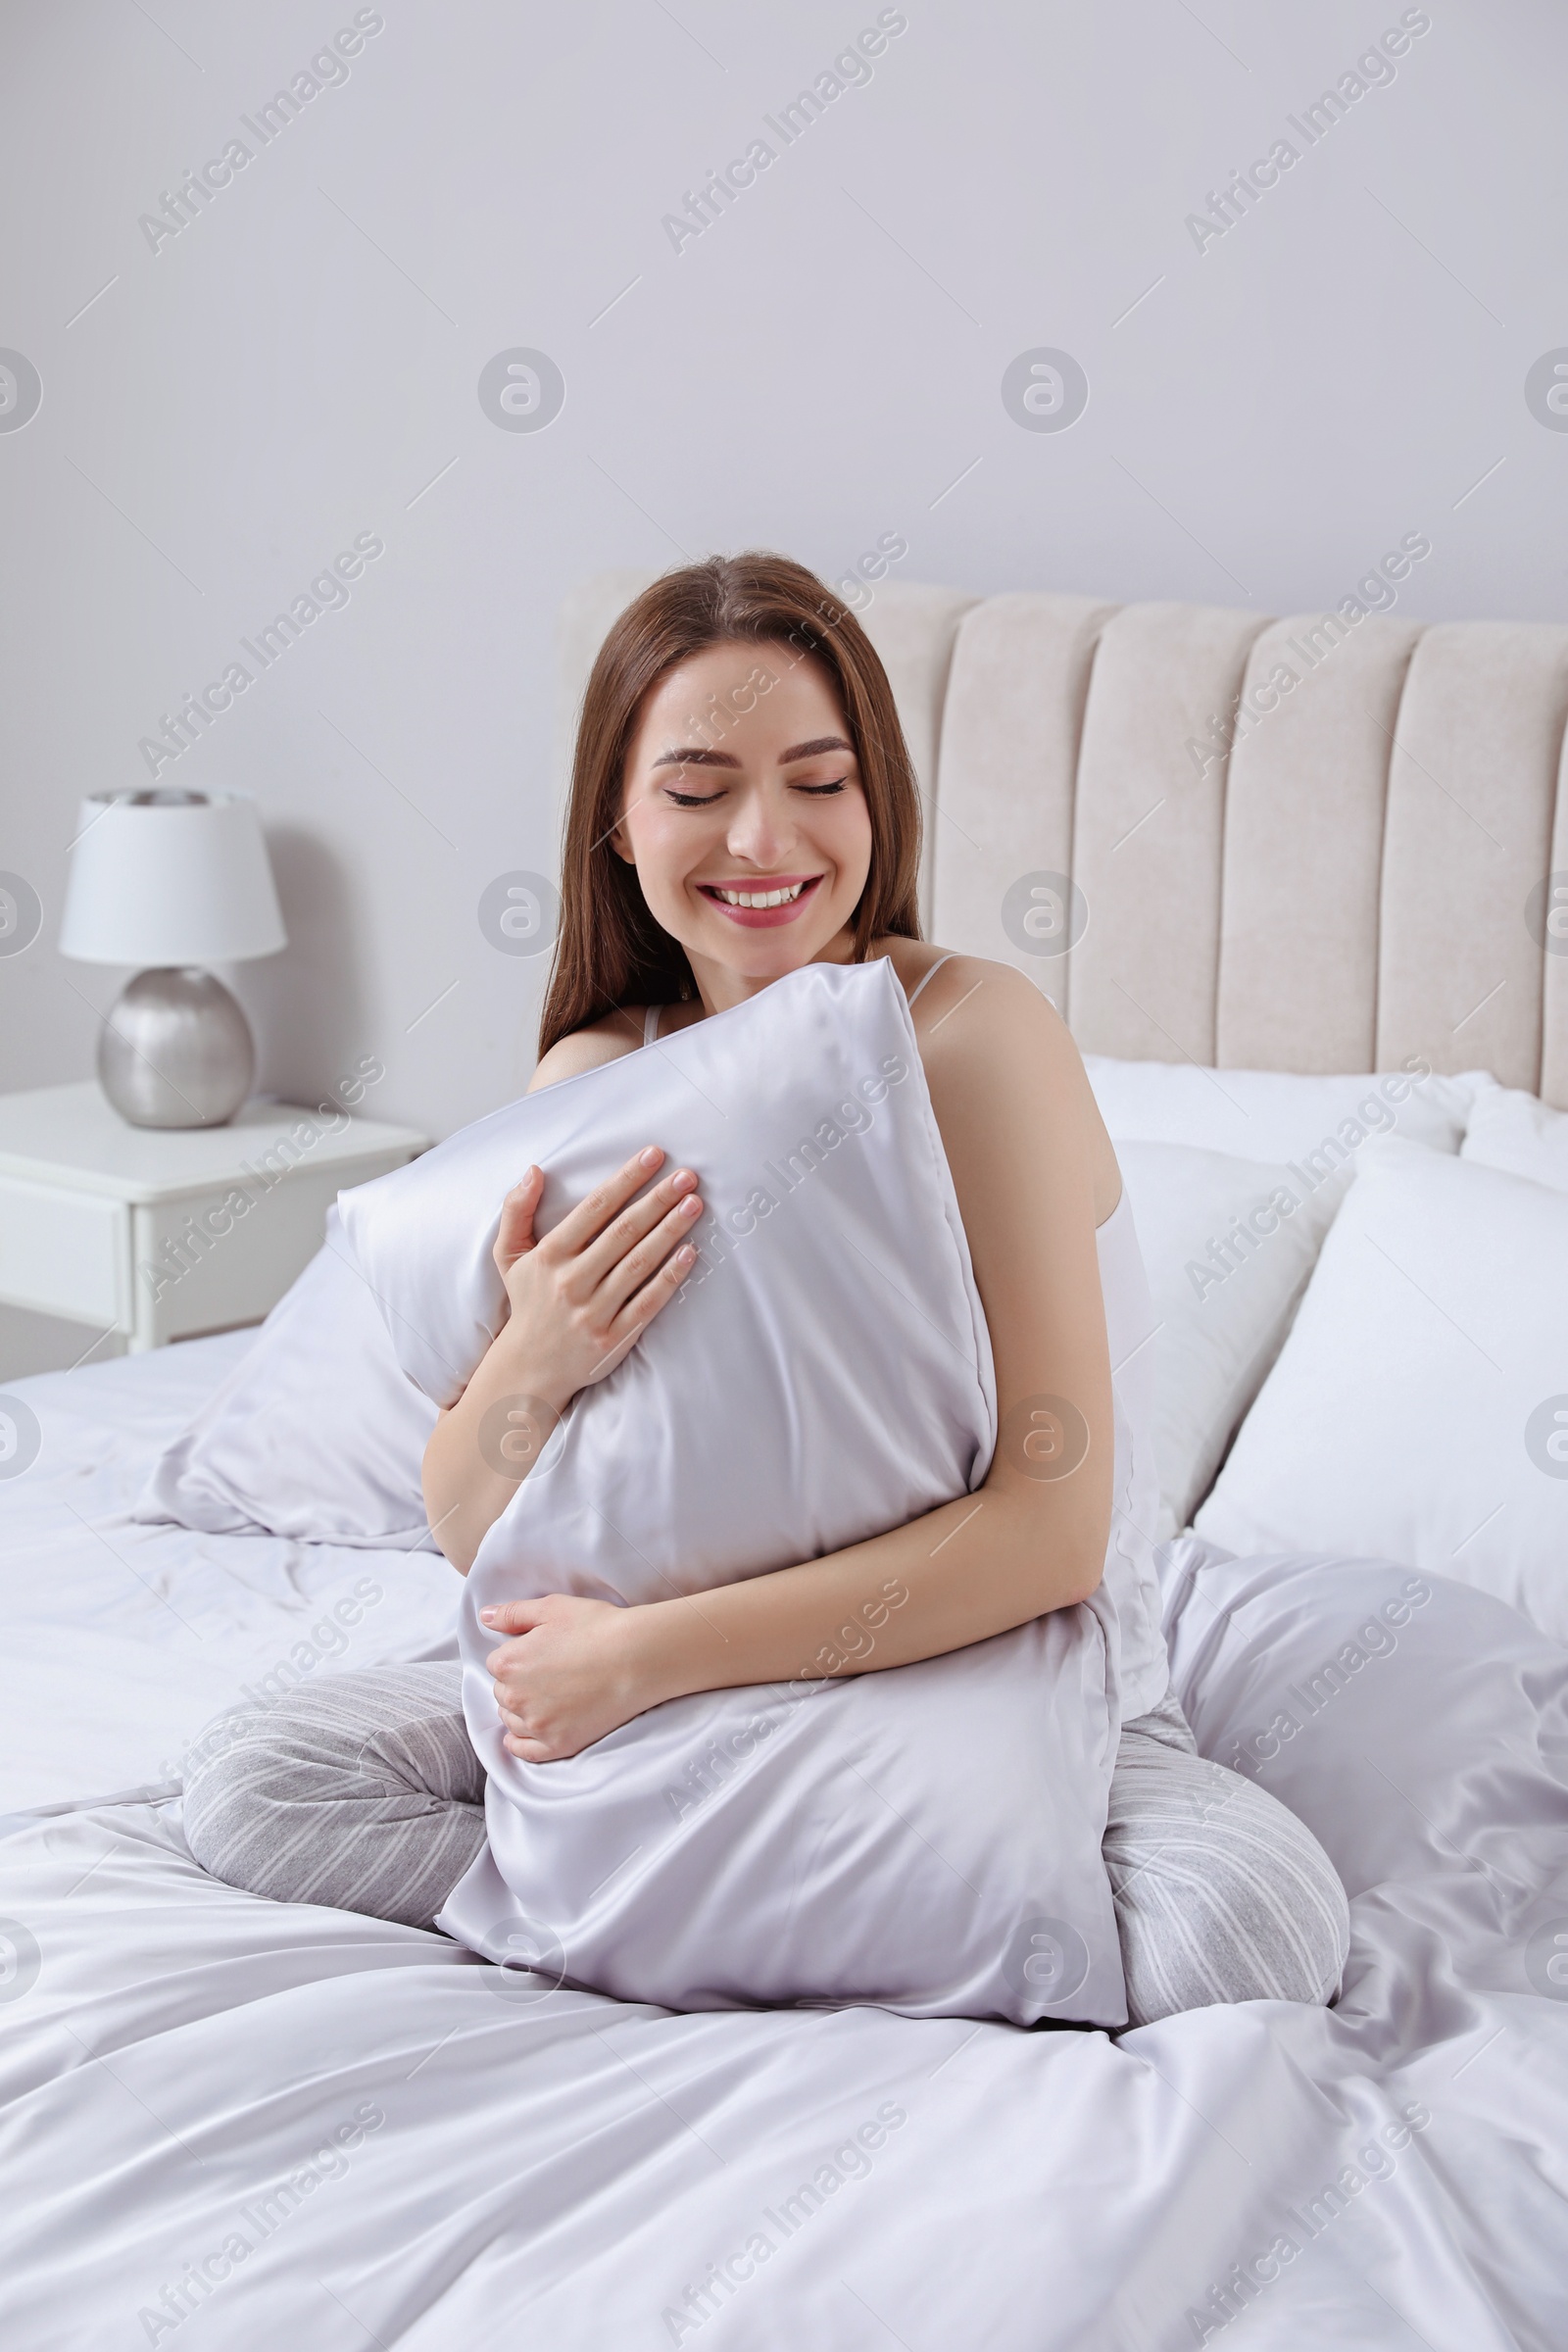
x,y
1032,1166
577,1302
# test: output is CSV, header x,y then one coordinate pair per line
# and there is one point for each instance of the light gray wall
x,y
820,367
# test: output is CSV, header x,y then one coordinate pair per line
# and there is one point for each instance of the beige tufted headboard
x,y
1292,845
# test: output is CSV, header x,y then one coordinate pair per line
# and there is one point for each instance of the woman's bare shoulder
x,y
1007,1005
955,976
996,1050
589,1048
976,1006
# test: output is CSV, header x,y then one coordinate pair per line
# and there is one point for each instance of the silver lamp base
x,y
175,1051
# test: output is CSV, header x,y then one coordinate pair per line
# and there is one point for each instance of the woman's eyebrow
x,y
809,751
695,756
700,755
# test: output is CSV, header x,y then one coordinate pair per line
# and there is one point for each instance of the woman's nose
x,y
759,832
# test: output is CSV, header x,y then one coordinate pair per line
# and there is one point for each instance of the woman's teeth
x,y
757,897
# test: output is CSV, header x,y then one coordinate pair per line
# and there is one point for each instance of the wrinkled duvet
x,y
225,2122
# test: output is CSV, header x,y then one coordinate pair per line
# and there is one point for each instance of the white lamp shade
x,y
158,881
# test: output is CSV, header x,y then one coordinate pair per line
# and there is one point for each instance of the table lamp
x,y
177,880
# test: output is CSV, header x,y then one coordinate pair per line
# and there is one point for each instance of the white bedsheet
x,y
396,2143
562,2173
118,1642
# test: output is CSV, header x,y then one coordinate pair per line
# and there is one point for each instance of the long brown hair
x,y
610,950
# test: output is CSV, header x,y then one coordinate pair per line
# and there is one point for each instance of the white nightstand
x,y
160,1233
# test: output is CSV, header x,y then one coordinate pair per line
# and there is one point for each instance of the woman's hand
x,y
570,1676
579,1298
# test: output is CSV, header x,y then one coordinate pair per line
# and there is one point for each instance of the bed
x,y
230,2123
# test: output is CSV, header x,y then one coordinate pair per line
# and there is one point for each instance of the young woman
x,y
743,803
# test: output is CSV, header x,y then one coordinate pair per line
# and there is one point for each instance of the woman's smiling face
x,y
745,817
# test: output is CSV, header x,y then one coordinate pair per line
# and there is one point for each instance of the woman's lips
x,y
763,918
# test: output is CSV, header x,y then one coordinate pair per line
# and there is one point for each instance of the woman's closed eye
x,y
706,800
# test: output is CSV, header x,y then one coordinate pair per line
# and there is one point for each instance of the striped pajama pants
x,y
364,1793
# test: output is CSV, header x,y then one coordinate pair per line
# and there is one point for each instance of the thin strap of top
x,y
926,980
651,1023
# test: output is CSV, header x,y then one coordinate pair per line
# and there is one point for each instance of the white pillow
x,y
926,1838
1409,1722
1518,1133
1419,1407
1278,1115
316,1433
1228,1245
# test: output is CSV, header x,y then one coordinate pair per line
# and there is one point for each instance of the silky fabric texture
x,y
565,2170
364,1793
928,1837
318,1432
107,1676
